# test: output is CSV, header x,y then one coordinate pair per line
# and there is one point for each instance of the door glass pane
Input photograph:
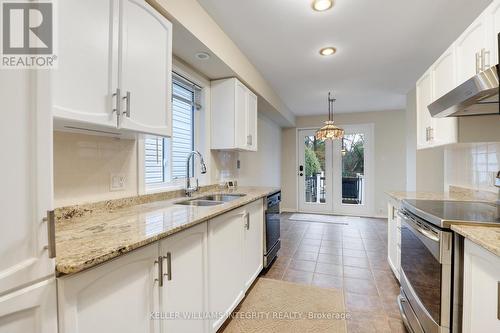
x,y
353,169
314,170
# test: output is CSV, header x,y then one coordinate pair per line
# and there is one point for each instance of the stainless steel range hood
x,y
476,96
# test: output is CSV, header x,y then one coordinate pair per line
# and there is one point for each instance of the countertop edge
x,y
67,270
471,235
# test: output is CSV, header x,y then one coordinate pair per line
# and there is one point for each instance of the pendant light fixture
x,y
330,131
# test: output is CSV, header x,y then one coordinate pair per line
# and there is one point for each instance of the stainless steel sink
x,y
211,200
221,197
199,202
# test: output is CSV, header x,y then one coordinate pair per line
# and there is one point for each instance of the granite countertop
x,y
455,194
86,240
487,237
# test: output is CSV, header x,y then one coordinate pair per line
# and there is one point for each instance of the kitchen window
x,y
165,158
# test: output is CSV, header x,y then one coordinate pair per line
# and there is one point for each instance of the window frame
x,y
197,122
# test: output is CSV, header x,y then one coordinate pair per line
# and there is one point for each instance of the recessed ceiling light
x,y
322,5
202,55
326,51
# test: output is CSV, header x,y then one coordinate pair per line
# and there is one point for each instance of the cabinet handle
x,y
247,221
51,233
478,62
117,94
160,271
127,104
169,266
485,59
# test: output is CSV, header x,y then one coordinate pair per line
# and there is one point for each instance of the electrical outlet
x,y
117,182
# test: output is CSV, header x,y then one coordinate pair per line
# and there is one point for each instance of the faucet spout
x,y
190,189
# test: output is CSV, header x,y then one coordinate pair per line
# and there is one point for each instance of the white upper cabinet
x,y
26,141
472,49
185,279
146,69
234,116
424,120
493,13
115,62
444,79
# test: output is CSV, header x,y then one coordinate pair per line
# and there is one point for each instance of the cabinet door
x,y
471,42
494,19
444,130
253,242
185,288
32,309
481,290
26,142
225,256
86,77
241,116
252,121
119,296
146,69
424,120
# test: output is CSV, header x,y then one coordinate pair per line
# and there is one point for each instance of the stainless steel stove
x,y
432,261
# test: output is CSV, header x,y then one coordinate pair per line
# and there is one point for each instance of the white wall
x,y
263,168
390,154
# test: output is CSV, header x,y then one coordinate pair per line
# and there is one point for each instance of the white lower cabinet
x,y
394,239
253,242
184,293
32,309
204,269
235,255
119,296
481,308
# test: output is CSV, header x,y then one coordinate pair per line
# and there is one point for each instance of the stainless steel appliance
x,y
272,242
431,261
477,96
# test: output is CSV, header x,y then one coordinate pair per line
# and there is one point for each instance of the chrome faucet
x,y
189,189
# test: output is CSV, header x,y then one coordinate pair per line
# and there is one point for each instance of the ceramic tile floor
x,y
351,257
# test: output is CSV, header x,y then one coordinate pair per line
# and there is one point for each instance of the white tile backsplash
x,y
472,165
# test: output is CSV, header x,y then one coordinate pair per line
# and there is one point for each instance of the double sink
x,y
211,200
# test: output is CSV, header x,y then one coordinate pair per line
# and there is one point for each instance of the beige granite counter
x,y
86,237
487,237
455,194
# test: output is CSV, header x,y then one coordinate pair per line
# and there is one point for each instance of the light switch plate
x,y
117,182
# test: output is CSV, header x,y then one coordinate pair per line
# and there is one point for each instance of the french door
x,y
335,177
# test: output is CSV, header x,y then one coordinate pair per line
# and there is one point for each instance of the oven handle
x,y
415,226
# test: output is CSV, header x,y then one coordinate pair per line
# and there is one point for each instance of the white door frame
x,y
302,205
333,194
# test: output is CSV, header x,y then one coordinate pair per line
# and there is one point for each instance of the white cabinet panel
x,y
253,242
470,43
481,290
86,76
184,290
26,141
225,257
493,13
118,296
146,69
394,240
30,310
444,79
424,120
234,116
252,122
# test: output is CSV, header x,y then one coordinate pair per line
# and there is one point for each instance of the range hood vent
x,y
476,96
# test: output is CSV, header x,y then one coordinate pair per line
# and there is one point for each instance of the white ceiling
x,y
383,46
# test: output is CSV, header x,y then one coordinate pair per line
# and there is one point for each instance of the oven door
x,y
426,271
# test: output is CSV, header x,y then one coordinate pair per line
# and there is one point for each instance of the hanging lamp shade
x,y
329,131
